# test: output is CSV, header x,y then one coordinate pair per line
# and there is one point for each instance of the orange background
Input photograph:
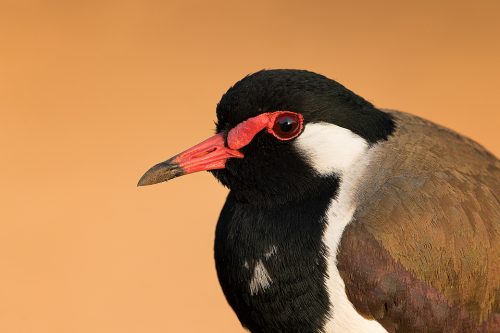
x,y
93,93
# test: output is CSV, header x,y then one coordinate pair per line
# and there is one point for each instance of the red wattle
x,y
243,133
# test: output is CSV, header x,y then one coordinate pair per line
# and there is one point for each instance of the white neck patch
x,y
332,149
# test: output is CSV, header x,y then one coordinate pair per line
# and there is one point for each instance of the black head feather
x,y
272,171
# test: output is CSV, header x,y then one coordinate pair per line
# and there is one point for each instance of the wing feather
x,y
431,205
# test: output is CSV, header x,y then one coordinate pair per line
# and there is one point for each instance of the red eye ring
x,y
285,125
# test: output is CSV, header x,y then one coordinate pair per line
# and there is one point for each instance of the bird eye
x,y
287,125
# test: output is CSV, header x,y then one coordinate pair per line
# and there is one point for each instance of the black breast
x,y
280,249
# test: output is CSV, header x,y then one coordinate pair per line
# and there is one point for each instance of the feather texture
x,y
423,250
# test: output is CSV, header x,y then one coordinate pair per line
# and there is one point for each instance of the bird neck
x,y
271,259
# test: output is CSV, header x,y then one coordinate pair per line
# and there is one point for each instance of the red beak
x,y
209,155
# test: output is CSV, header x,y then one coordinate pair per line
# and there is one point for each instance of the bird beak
x,y
208,155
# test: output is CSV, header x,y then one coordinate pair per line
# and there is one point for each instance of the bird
x,y
345,217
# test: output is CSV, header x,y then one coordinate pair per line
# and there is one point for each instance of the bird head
x,y
280,136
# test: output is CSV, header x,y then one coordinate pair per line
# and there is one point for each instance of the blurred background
x,y
93,93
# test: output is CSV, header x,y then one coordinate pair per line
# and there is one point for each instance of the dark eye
x,y
287,126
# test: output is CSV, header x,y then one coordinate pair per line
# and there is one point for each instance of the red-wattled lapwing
x,y
342,217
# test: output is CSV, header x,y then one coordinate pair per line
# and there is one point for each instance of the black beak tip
x,y
143,181
160,173
146,179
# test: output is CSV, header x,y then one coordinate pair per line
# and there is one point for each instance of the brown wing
x,y
423,252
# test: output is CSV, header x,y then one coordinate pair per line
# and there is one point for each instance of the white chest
x,y
344,317
334,150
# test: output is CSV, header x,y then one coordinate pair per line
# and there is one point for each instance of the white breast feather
x,y
333,149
